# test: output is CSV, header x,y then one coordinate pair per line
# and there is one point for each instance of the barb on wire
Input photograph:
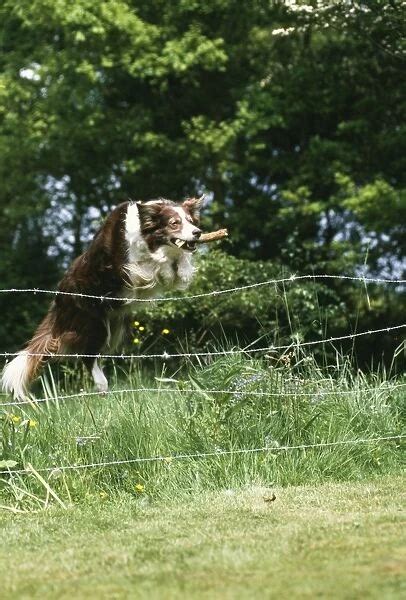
x,y
204,391
165,355
198,455
290,279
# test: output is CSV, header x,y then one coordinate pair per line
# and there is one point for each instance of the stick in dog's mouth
x,y
184,244
203,239
213,236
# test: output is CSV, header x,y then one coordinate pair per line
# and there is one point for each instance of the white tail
x,y
16,375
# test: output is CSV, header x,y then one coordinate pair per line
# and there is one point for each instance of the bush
x,y
269,314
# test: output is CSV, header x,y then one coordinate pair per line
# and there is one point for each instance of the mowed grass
x,y
342,540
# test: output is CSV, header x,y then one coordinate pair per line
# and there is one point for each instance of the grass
x,y
302,404
335,540
207,527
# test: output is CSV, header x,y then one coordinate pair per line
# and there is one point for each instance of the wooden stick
x,y
212,236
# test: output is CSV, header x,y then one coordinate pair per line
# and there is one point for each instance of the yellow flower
x,y
139,488
136,323
136,341
15,419
141,328
103,495
165,331
32,423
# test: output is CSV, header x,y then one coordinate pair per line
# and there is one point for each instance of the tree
x,y
289,115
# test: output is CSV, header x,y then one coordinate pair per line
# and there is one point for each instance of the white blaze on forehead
x,y
187,228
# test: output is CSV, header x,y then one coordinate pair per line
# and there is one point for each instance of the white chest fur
x,y
151,273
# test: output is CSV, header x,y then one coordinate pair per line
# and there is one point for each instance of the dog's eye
x,y
174,222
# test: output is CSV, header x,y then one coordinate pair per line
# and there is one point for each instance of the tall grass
x,y
303,404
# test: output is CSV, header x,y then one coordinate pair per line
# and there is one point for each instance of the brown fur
x,y
78,325
75,325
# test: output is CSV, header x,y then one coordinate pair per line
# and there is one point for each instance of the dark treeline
x,y
289,115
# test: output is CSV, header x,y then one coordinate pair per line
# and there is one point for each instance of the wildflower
x,y
168,460
270,442
15,419
286,359
165,331
136,341
136,323
103,495
32,423
82,440
141,328
139,488
56,472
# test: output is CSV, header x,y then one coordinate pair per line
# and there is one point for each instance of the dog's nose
x,y
196,233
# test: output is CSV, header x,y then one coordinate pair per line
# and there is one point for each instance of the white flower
x,y
305,8
283,31
30,72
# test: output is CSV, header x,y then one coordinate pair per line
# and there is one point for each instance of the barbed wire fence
x,y
160,390
291,279
166,355
200,455
240,351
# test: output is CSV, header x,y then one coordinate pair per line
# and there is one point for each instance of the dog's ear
x,y
193,206
149,212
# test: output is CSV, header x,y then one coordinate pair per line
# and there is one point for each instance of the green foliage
x,y
289,115
271,313
25,262
378,207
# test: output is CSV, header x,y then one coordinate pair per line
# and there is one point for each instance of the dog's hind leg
x,y
99,377
93,342
103,333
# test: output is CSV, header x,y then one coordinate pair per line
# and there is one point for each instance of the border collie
x,y
141,250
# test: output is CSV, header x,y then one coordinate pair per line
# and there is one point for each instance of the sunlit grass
x,y
335,540
302,404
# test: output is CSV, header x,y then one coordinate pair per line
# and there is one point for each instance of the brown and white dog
x,y
141,250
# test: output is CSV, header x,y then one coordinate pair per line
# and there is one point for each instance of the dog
x,y
141,250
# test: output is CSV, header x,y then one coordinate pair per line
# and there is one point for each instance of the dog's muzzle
x,y
189,245
184,244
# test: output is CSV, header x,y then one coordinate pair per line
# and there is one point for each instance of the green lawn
x,y
330,541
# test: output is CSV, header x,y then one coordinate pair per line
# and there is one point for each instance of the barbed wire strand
x,y
79,395
165,355
198,455
290,279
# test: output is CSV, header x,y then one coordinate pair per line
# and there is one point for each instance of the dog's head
x,y
164,222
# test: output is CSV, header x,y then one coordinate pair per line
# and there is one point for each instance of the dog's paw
x,y
103,387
